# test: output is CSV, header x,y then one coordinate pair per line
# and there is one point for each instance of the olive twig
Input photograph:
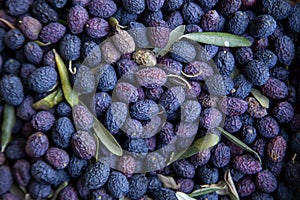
x,y
191,76
179,77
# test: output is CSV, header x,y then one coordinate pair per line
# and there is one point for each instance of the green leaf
x,y
230,186
70,95
106,138
9,121
174,36
168,182
218,39
206,189
97,147
183,196
198,145
263,100
49,101
238,142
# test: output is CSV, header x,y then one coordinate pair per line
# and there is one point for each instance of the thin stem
x,y
59,189
179,77
7,23
42,44
71,69
191,76
294,158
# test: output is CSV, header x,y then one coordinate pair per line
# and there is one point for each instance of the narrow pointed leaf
x,y
218,39
220,186
263,100
70,95
9,121
198,145
49,101
106,138
183,196
97,147
230,185
238,142
174,36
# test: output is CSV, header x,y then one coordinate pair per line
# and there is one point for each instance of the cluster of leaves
x,y
65,91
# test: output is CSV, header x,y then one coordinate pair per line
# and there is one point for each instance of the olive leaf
x,y
9,121
183,196
238,142
198,145
59,189
218,39
97,147
168,182
206,189
69,94
230,185
263,100
106,138
49,101
174,36
225,187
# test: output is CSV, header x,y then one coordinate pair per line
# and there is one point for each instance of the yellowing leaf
x,y
168,182
263,100
70,95
49,101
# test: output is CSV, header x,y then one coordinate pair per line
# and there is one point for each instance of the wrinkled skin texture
x,y
83,144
